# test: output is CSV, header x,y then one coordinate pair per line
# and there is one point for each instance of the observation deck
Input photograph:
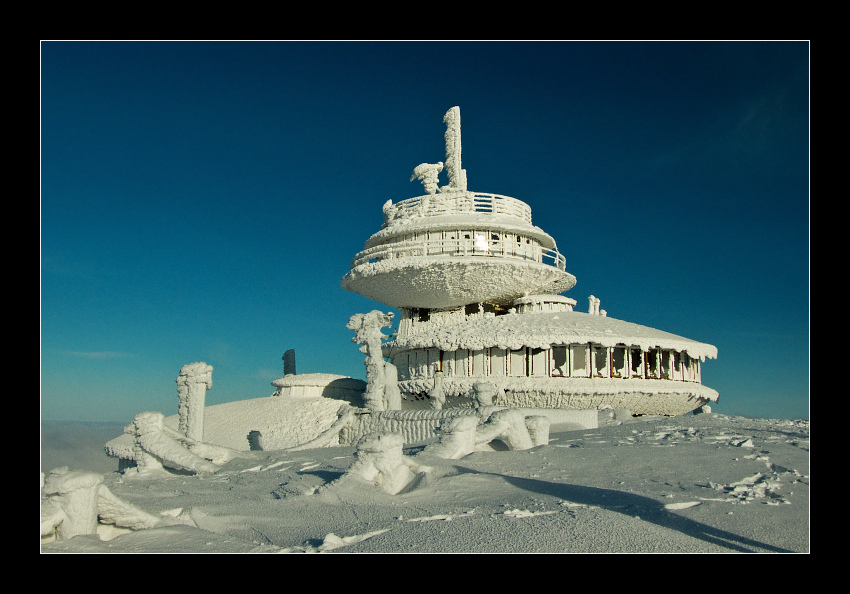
x,y
452,249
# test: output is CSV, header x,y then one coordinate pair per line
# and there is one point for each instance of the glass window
x,y
478,363
461,362
580,360
600,361
497,361
652,364
517,361
637,362
618,362
400,361
539,367
559,361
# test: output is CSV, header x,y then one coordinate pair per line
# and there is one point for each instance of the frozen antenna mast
x,y
457,175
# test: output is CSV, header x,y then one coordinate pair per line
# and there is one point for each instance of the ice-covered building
x,y
479,290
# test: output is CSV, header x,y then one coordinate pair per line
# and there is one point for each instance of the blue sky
x,y
201,201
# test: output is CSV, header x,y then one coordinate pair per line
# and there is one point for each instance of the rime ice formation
x,y
478,287
437,395
75,502
457,175
429,175
380,461
192,385
381,377
155,446
466,434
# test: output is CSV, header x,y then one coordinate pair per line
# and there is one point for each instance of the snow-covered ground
x,y
705,483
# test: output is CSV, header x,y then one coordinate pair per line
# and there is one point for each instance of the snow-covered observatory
x,y
478,287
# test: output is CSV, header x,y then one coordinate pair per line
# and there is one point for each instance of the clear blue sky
x,y
201,201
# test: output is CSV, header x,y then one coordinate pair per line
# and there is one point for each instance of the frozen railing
x,y
479,246
456,203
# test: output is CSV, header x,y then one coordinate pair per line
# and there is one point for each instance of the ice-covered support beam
x,y
382,391
192,384
457,175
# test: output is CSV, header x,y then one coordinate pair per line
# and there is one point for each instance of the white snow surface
x,y
283,423
705,483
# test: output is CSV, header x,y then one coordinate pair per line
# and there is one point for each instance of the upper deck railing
x,y
456,203
478,246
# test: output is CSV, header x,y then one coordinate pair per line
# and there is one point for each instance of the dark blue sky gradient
x,y
201,201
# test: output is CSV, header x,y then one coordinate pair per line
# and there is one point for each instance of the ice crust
x,y
542,330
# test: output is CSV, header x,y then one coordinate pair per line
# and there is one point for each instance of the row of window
x,y
453,242
578,360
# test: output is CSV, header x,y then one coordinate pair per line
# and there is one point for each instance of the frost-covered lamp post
x,y
192,385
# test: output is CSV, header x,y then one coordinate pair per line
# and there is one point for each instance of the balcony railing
x,y
480,246
456,203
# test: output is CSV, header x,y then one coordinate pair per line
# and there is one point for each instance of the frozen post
x,y
457,175
289,362
483,393
538,429
437,393
192,385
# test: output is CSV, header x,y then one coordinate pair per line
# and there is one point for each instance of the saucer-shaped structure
x,y
457,248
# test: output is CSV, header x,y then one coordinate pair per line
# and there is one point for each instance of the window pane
x,y
600,362
559,361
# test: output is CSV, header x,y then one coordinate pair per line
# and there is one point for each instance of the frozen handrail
x,y
459,247
456,203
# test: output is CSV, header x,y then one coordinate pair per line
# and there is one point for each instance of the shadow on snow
x,y
633,505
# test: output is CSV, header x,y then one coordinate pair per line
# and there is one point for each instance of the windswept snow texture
x,y
447,281
703,483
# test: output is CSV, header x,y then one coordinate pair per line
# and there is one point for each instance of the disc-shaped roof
x,y
435,282
542,330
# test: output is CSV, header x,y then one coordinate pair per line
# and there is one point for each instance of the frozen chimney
x,y
192,384
289,362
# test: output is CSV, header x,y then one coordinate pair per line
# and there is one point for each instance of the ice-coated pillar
x,y
192,384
